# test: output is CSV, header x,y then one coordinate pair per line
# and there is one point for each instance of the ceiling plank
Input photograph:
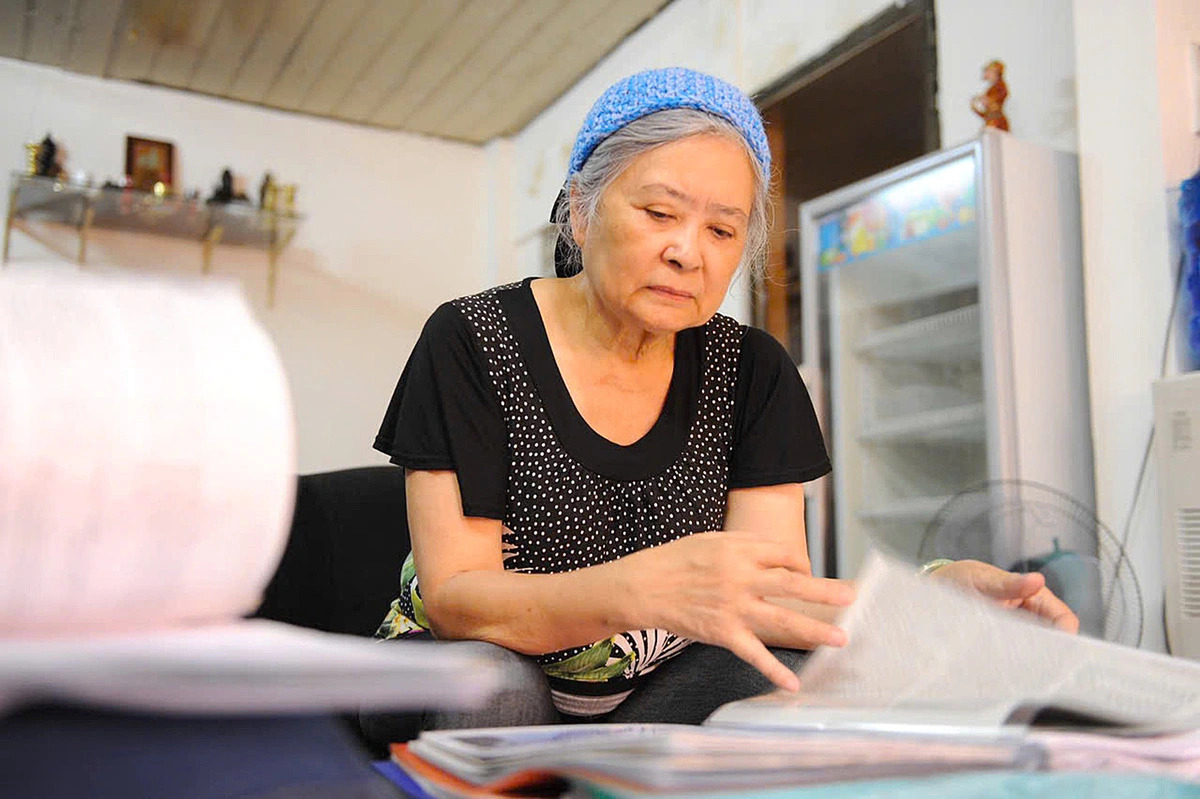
x,y
430,20
518,27
479,20
233,35
13,21
143,27
92,36
328,32
521,67
49,31
465,69
377,26
285,25
583,51
176,59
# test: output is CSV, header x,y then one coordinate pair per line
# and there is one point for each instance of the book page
x,y
147,457
924,652
244,666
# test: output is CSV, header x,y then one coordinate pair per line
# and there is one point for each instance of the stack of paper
x,y
686,760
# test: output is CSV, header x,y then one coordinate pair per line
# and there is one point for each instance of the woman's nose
x,y
683,252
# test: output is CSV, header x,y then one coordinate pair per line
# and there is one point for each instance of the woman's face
x,y
669,233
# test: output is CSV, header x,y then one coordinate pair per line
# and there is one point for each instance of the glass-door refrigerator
x,y
943,342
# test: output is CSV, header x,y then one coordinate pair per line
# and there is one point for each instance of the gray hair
x,y
618,151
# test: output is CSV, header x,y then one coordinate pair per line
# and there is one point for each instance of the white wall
x,y
1127,272
396,224
1177,25
1035,40
754,42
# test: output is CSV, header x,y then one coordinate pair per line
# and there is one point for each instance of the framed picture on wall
x,y
148,162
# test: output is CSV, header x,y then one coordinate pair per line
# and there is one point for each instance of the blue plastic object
x,y
1189,219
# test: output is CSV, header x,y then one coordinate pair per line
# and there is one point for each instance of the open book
x,y
147,471
922,652
932,681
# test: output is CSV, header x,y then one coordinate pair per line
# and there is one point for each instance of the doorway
x,y
864,106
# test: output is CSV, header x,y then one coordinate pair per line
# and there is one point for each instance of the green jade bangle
x,y
934,565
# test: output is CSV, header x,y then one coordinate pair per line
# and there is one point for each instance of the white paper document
x,y
253,666
147,473
925,653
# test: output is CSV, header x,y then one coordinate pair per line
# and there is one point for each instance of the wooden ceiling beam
x,y
279,36
472,112
380,24
236,29
514,32
14,21
327,34
429,20
178,55
48,33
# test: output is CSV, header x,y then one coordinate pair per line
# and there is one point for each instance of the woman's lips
x,y
670,293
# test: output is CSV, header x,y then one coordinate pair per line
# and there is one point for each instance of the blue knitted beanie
x,y
660,89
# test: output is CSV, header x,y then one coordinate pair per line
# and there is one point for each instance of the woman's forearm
x,y
532,613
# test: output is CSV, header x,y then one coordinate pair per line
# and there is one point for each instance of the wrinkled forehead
x,y
706,169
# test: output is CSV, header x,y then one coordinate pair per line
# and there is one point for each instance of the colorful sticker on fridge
x,y
928,204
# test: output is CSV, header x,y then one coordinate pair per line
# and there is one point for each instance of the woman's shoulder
x,y
453,316
756,347
761,348
494,293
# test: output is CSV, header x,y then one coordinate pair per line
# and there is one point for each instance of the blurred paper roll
x,y
147,454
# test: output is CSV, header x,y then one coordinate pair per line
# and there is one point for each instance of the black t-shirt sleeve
x,y
776,437
444,414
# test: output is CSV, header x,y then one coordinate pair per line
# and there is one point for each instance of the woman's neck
x,y
590,324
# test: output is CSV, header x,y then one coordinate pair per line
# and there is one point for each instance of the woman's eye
x,y
722,233
659,215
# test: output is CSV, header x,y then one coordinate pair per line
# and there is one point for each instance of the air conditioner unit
x,y
1177,441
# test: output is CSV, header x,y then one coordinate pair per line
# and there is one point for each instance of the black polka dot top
x,y
572,499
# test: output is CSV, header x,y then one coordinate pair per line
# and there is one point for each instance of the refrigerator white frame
x,y
1001,162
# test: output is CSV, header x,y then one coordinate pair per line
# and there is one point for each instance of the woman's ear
x,y
578,228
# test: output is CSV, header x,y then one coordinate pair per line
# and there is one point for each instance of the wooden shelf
x,y
48,200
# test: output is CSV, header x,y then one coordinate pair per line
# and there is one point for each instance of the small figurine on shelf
x,y
223,193
48,165
289,198
32,150
266,192
990,105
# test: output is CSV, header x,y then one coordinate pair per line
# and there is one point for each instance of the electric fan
x,y
1024,526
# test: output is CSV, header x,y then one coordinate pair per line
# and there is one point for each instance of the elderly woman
x,y
603,474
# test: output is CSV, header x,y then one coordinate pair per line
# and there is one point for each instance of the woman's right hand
x,y
713,587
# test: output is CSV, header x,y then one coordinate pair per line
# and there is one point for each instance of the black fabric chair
x,y
341,567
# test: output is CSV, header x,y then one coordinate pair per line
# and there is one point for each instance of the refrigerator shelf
x,y
913,509
915,271
965,423
943,338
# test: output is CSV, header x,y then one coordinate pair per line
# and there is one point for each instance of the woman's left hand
x,y
1025,591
